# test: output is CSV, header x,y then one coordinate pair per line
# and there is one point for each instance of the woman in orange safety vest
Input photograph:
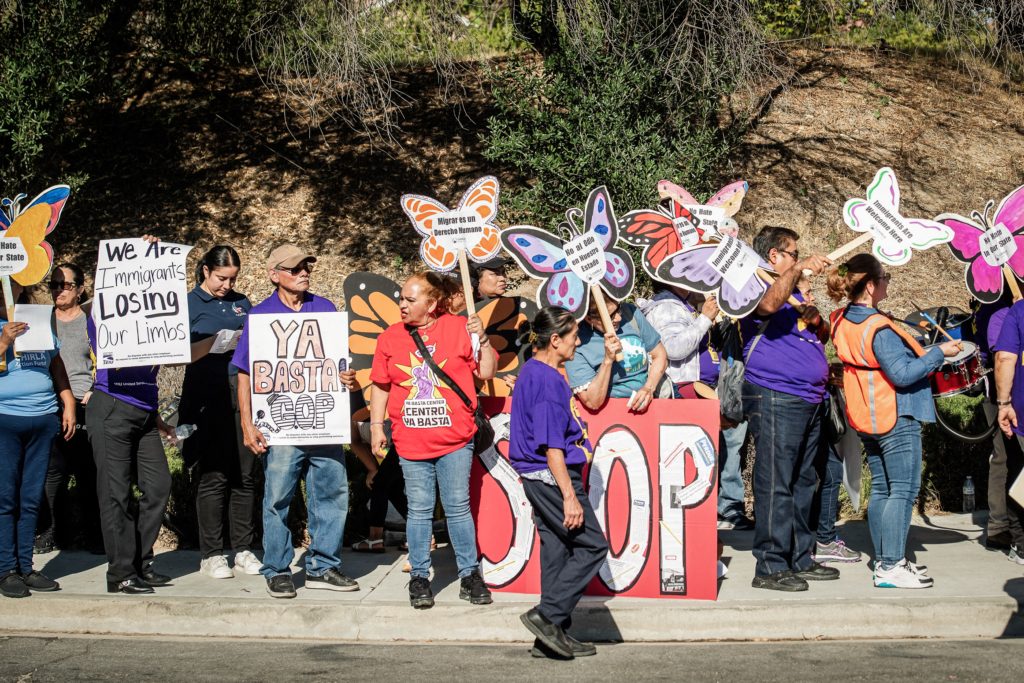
x,y
888,397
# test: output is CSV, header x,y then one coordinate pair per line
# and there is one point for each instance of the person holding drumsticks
x,y
888,397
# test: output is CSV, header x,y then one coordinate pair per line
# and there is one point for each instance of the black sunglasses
x,y
65,285
304,266
794,254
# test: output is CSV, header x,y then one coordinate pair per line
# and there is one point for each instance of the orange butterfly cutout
x,y
31,225
372,304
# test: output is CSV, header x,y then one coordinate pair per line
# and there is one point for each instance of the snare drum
x,y
958,374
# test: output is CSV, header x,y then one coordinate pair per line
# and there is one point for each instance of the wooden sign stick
x,y
763,274
606,320
929,319
845,249
9,303
467,286
1012,281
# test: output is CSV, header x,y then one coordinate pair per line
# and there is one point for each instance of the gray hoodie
x,y
681,329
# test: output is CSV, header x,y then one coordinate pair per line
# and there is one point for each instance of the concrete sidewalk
x,y
977,593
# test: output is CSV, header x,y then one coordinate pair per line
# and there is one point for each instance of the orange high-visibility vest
x,y
870,395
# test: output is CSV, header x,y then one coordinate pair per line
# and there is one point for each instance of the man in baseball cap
x,y
288,256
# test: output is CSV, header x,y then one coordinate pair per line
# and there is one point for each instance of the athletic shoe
x,y
475,590
917,568
780,581
44,544
1016,554
12,585
900,576
420,595
281,586
332,580
38,582
836,551
817,572
740,523
724,524
248,563
216,567
999,541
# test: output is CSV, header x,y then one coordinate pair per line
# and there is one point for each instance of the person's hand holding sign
x,y
710,308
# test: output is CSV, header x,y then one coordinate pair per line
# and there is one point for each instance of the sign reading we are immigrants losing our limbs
x,y
140,308
294,365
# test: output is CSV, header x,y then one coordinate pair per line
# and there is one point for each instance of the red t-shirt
x,y
428,418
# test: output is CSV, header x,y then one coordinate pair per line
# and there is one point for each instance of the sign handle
x,y
467,286
763,274
845,249
1012,281
9,302
606,320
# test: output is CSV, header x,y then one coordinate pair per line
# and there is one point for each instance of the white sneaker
x,y
248,563
900,576
216,567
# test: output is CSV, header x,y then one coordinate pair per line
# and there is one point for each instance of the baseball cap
x,y
494,263
288,256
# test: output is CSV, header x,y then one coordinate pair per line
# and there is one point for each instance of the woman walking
x,y
887,398
422,378
209,400
548,447
30,418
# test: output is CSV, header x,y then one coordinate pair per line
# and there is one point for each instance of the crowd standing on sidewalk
x,y
64,416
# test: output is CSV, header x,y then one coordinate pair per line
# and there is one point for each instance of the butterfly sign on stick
x,y
714,218
991,245
450,236
24,253
573,270
879,218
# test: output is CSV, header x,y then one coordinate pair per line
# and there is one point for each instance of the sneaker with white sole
x,y
216,567
1016,554
248,563
836,551
900,576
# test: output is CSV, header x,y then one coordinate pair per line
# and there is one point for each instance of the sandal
x,y
368,546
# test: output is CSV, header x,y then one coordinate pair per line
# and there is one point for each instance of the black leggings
x,y
388,484
71,458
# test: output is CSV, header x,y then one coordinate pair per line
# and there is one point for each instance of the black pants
x,y
122,435
568,559
71,458
224,463
388,484
1014,510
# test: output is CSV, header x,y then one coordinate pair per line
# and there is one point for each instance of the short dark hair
x,y
79,276
548,321
772,237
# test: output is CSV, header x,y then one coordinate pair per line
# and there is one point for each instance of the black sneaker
x,y
420,595
817,572
331,580
475,590
780,581
44,543
281,586
38,582
13,586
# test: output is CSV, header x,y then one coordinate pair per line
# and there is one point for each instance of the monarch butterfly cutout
x,y
501,318
31,225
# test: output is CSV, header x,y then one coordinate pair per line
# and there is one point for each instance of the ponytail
x,y
849,280
550,320
438,288
221,256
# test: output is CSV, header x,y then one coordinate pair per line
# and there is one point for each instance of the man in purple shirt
x,y
1010,400
289,268
784,385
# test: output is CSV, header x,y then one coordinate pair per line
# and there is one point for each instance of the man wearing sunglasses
x,y
289,268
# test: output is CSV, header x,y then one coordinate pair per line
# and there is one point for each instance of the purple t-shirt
x,y
708,361
985,326
273,304
1011,340
789,358
135,386
544,415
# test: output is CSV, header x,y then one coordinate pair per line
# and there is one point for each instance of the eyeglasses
x,y
304,266
885,276
64,285
794,254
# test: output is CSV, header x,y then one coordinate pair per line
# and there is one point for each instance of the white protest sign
x,y
586,258
997,246
39,335
734,261
887,226
140,307
13,257
709,218
688,235
295,360
458,229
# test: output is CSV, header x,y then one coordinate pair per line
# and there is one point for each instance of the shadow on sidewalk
x,y
1015,626
66,563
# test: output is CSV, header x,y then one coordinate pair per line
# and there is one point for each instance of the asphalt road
x,y
84,658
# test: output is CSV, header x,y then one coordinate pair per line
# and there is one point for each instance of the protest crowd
x,y
70,410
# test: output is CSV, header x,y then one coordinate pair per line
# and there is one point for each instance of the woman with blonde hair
x,y
422,377
888,397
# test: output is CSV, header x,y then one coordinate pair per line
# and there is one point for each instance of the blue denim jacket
x,y
903,368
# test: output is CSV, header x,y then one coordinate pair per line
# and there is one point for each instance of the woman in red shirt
x,y
433,424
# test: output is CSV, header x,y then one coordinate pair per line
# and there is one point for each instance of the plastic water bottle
x,y
185,431
969,495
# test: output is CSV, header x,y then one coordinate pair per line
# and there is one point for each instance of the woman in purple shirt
x,y
548,447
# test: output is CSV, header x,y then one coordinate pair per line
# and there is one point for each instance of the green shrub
x,y
948,462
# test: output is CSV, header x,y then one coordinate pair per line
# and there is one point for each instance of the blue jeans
x,y
450,473
829,469
895,462
25,444
326,502
785,430
730,475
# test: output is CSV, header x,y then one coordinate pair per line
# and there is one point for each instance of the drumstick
x,y
929,319
792,301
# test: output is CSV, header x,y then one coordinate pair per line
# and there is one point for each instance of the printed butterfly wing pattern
x,y
620,275
372,304
501,318
985,282
32,225
655,232
729,199
690,269
481,197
